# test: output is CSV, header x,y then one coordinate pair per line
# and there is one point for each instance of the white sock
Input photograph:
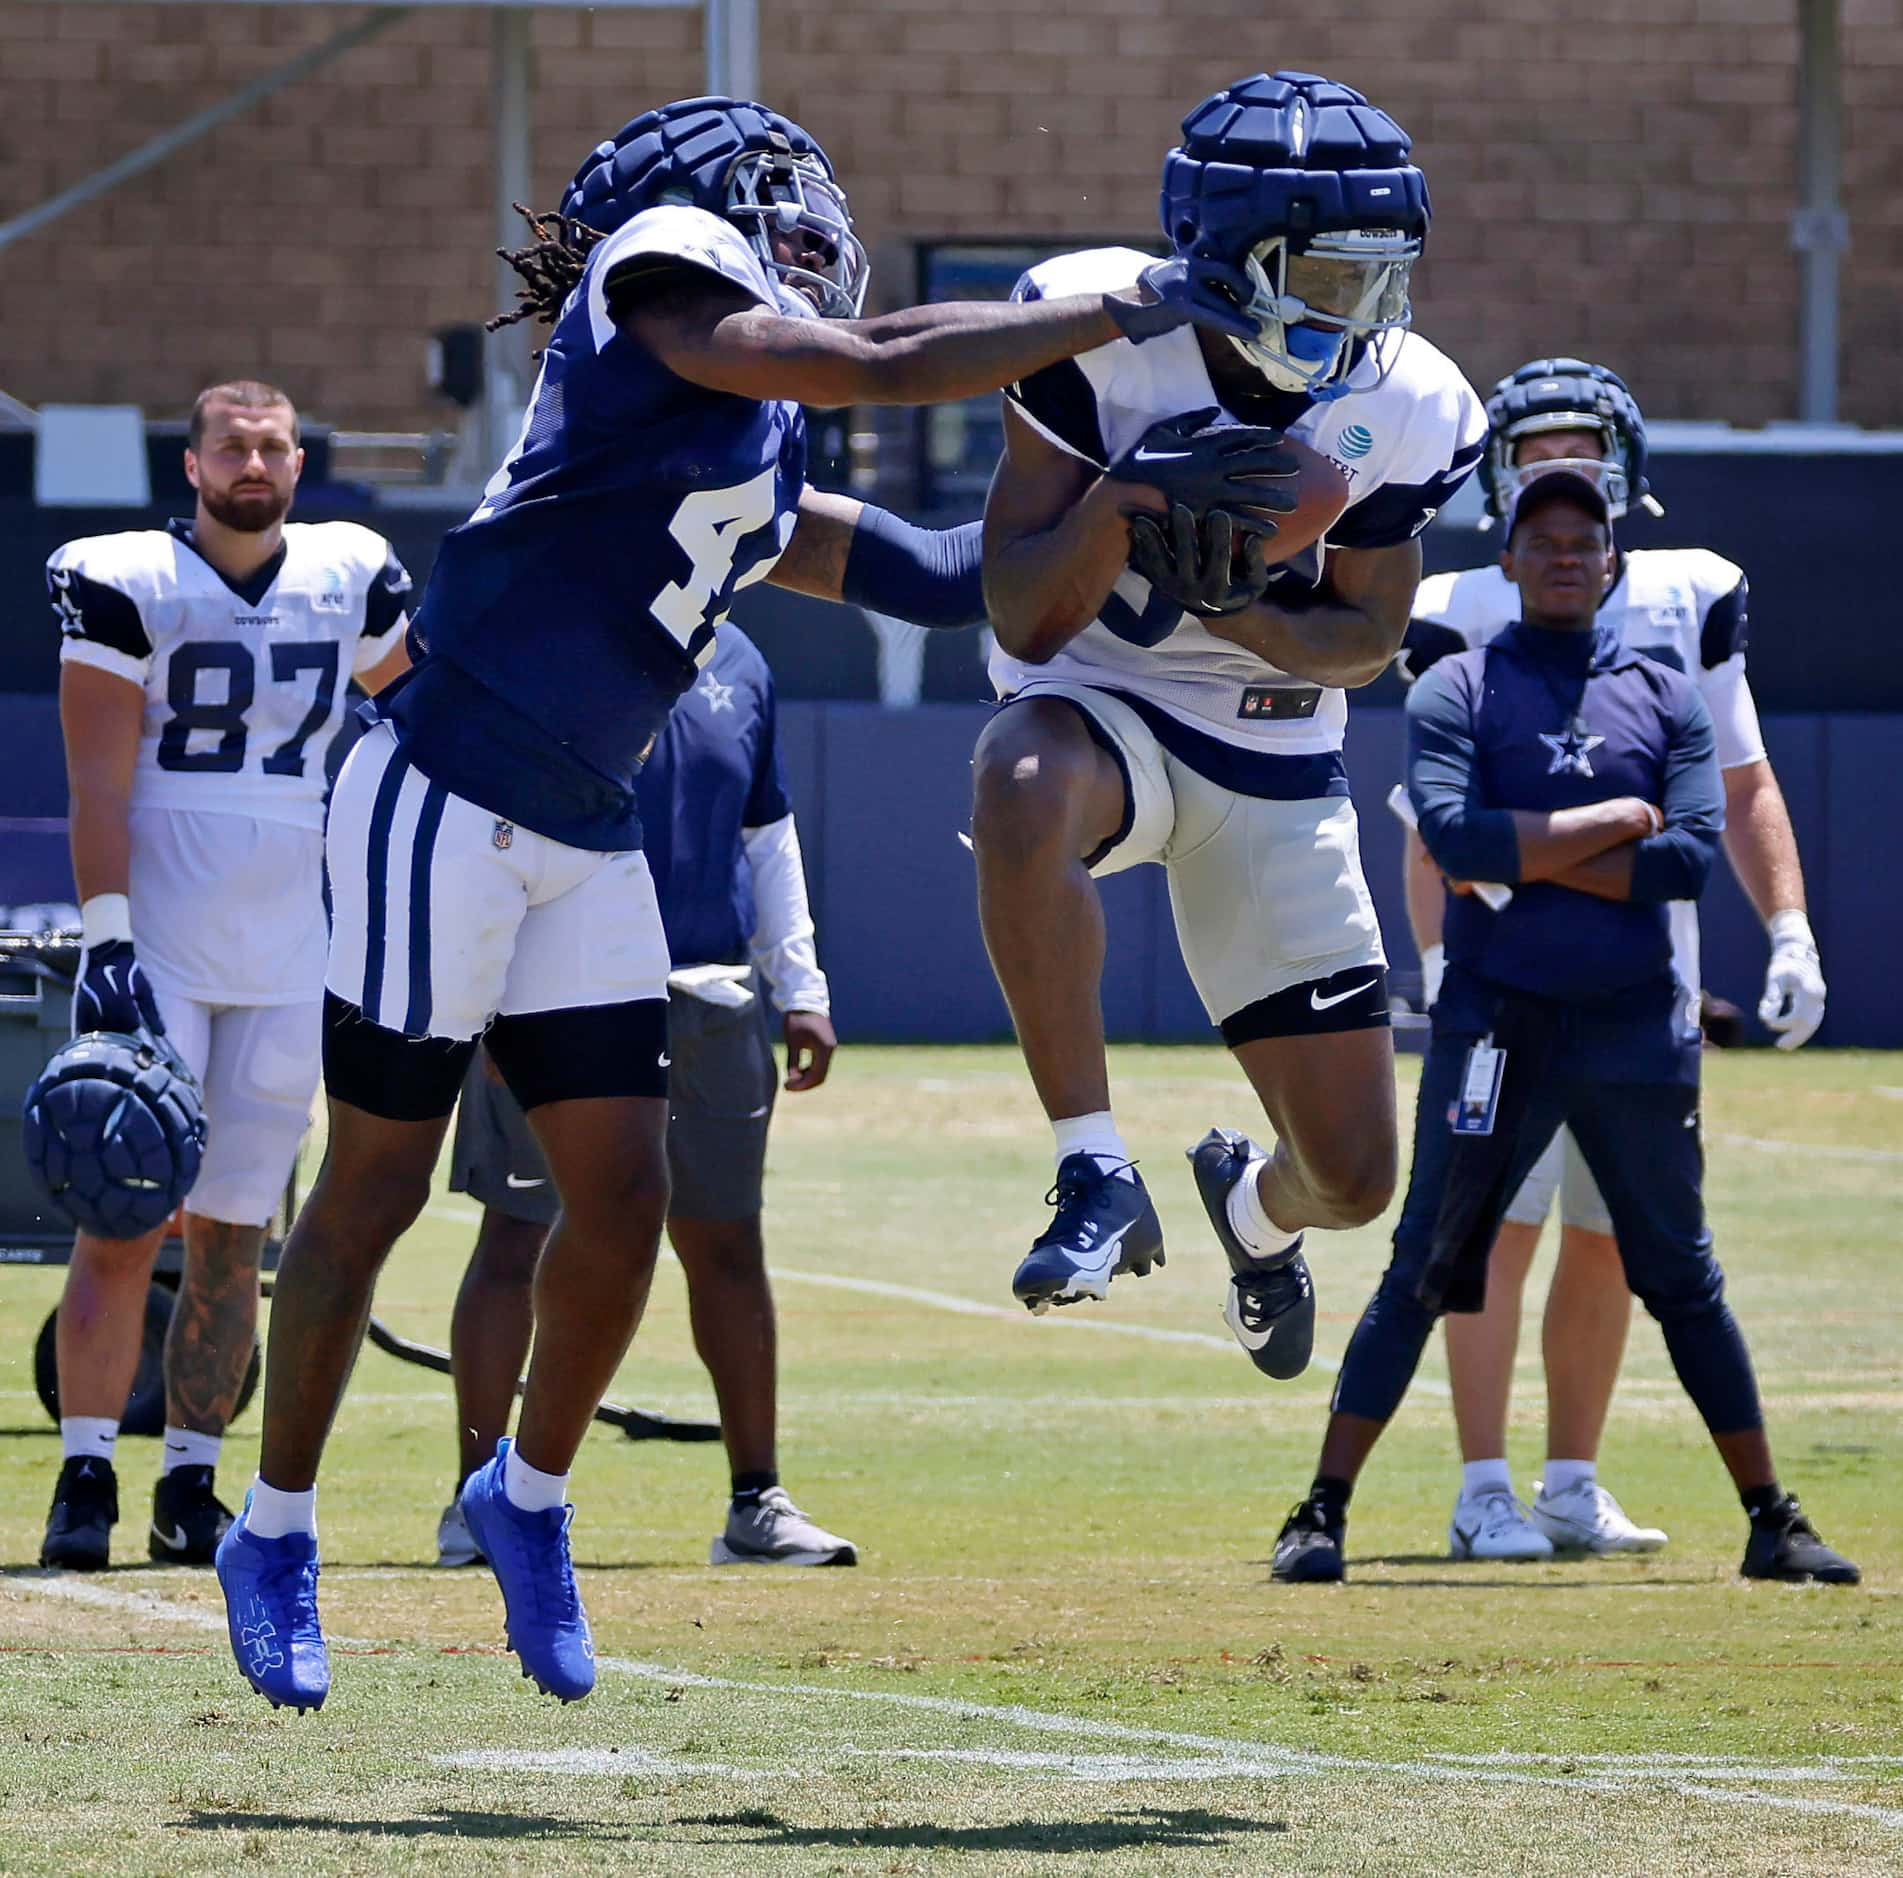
x,y
185,1447
1562,1475
274,1514
87,1437
1095,1135
528,1487
1261,1237
1478,1477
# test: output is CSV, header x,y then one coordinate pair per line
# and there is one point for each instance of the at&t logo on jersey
x,y
1355,441
331,595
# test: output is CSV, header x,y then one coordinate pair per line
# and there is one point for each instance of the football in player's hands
x,y
1321,495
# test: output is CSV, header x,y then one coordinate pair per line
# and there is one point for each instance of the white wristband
x,y
1433,969
106,917
1791,927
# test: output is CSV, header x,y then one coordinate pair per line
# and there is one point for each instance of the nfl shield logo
x,y
505,834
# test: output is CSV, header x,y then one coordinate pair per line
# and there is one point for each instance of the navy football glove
x,y
112,993
1205,465
1190,290
1198,567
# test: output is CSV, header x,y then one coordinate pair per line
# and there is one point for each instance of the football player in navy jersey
x,y
702,283
1686,607
1149,718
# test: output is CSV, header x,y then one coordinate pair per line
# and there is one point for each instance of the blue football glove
x,y
1197,566
1190,290
112,993
1205,465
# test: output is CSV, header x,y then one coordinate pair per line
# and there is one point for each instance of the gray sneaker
x,y
773,1531
455,1543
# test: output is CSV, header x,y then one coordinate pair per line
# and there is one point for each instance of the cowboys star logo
x,y
72,622
1572,749
719,697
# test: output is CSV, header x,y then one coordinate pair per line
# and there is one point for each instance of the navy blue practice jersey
x,y
581,598
715,773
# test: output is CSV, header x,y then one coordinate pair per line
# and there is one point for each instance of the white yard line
x,y
1821,1150
1240,1759
974,1307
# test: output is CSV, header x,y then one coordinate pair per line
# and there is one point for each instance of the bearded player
x,y
203,669
1169,699
703,283
1685,607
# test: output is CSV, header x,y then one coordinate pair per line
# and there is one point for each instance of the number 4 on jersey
x,y
709,526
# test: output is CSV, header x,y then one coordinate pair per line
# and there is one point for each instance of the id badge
x,y
1480,1089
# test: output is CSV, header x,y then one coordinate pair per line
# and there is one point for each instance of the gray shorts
x,y
721,1085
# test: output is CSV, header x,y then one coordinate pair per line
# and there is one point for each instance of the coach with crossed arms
x,y
1585,776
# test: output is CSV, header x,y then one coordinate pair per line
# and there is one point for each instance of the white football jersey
x,y
244,686
1405,442
1685,607
243,692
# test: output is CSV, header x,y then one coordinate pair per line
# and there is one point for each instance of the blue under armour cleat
x,y
1105,1224
528,1552
270,1588
1270,1304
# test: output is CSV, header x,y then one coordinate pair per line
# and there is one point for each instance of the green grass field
x,y
1062,1651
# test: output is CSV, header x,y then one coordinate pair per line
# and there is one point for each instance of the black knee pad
x,y
1355,999
585,1051
383,1072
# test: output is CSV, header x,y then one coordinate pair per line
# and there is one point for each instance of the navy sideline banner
x,y
883,795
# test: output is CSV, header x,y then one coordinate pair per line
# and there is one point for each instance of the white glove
x,y
1433,970
1793,1001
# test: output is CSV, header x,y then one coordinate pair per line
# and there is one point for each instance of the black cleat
x,y
188,1519
1270,1306
1785,1545
1307,1550
1105,1225
85,1509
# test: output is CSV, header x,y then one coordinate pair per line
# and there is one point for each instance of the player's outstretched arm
x,y
716,335
845,549
1350,635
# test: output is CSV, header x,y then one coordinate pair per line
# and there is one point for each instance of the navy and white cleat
x,y
1105,1225
270,1588
1270,1304
528,1552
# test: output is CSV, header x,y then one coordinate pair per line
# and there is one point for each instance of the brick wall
x,y
1621,188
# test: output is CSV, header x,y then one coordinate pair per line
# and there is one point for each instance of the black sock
x,y
747,1488
1764,1505
1329,1496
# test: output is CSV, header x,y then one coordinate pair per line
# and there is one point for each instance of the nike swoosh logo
x,y
1249,1339
1318,1002
173,1541
1108,1251
1147,457
515,1180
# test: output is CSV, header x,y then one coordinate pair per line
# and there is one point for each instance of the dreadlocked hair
x,y
551,267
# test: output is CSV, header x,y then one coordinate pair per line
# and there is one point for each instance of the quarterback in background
x,y
1685,607
203,670
1174,683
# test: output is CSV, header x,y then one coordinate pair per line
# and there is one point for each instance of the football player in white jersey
x,y
1143,721
1687,608
203,671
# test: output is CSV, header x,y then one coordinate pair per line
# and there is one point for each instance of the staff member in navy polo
x,y
1584,777
723,846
